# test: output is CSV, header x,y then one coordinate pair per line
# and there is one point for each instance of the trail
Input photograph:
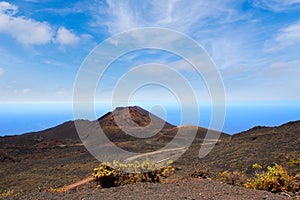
x,y
167,150
154,152
74,185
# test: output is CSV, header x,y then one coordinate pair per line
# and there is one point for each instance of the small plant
x,y
6,193
294,159
201,173
9,193
294,162
117,173
276,179
233,178
257,166
107,176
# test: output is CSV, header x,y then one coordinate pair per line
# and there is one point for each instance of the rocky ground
x,y
184,189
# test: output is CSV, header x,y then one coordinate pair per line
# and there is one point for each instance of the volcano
x,y
130,117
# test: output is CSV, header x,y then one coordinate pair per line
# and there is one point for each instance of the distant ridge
x,y
259,127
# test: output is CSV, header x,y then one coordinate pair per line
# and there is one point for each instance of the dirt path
x,y
213,141
74,185
155,152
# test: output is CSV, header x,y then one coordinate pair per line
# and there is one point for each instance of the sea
x,y
19,118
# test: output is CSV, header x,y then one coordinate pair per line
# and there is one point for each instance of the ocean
x,y
22,118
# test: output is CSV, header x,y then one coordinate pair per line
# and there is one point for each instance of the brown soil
x,y
184,189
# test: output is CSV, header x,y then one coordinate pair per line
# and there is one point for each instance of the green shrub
x,y
276,179
116,173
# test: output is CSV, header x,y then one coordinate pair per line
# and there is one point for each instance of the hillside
x,y
264,145
55,157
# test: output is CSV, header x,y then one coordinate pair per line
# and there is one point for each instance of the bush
x,y
201,173
233,178
116,173
276,179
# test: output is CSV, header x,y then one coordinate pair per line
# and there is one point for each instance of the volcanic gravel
x,y
184,189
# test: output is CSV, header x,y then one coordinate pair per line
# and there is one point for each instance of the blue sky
x,y
255,45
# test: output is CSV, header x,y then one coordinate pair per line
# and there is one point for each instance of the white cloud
x,y
1,71
290,34
8,8
175,14
277,5
234,47
31,32
122,17
287,36
24,30
66,37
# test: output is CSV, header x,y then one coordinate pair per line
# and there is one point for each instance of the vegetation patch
x,y
294,159
117,173
275,179
9,193
233,178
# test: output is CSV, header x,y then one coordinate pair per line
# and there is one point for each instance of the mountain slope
x,y
56,156
264,145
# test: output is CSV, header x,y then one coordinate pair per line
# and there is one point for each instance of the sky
x,y
254,44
